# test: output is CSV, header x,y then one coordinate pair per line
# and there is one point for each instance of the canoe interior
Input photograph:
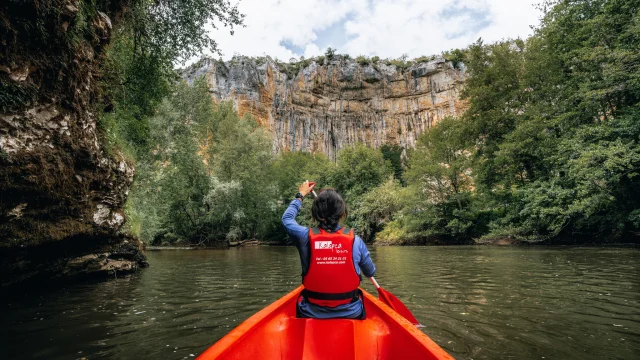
x,y
276,333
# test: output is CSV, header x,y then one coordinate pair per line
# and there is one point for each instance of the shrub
x,y
330,53
363,60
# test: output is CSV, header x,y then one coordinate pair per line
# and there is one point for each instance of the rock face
x,y
61,191
339,102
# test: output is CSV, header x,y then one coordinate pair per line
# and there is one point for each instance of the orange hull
x,y
276,333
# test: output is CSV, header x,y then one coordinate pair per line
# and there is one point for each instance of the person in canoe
x,y
332,258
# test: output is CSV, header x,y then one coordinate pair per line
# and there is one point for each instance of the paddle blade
x,y
393,302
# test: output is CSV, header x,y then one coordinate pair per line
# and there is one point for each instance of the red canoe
x,y
276,333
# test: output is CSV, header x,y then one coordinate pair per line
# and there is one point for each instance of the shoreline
x,y
483,244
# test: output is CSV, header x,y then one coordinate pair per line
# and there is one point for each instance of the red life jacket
x,y
331,279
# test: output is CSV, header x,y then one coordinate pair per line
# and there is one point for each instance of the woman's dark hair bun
x,y
328,208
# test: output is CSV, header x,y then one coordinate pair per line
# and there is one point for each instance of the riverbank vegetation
x,y
548,150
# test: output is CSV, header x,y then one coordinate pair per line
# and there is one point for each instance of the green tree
x,y
393,154
290,169
440,164
138,70
551,123
439,173
376,208
548,149
330,53
173,179
359,169
243,152
496,101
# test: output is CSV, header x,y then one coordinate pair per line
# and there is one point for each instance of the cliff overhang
x,y
62,190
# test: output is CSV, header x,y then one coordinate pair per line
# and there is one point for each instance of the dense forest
x,y
547,151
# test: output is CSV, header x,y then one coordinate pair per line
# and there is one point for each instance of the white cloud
x,y
312,50
387,28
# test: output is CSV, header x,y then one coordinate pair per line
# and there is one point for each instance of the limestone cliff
x,y
61,191
330,104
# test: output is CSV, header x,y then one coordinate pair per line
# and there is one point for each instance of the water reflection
x,y
477,302
490,303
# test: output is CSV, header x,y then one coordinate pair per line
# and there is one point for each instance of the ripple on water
x,y
476,302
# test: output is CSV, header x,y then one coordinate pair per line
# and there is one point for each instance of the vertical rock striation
x,y
340,102
61,191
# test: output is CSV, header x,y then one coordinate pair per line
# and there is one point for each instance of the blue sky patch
x,y
294,48
480,19
335,35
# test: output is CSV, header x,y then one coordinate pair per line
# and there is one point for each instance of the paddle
x,y
312,185
393,302
386,297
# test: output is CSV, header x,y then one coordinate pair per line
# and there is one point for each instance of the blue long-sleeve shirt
x,y
361,259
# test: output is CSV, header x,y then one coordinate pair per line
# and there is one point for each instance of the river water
x,y
476,302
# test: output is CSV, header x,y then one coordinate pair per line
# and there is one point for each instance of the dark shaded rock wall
x,y
61,191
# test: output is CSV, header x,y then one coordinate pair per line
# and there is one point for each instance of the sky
x,y
387,28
